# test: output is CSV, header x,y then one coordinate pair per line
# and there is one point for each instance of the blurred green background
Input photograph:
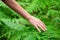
x,y
15,27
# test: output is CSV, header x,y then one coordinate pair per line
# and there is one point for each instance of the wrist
x,y
29,17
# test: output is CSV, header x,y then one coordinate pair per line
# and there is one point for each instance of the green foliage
x,y
14,27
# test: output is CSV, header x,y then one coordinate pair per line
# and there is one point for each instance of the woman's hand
x,y
37,23
34,21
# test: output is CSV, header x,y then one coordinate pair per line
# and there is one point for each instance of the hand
x,y
37,23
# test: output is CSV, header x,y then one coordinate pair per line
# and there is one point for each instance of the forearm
x,y
16,7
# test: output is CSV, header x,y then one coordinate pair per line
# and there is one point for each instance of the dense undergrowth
x,y
15,27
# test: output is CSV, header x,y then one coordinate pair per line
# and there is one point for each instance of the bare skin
x,y
34,21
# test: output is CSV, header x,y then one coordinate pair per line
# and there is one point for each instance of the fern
x,y
14,27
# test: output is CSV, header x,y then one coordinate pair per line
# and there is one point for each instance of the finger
x,y
37,28
42,26
41,22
